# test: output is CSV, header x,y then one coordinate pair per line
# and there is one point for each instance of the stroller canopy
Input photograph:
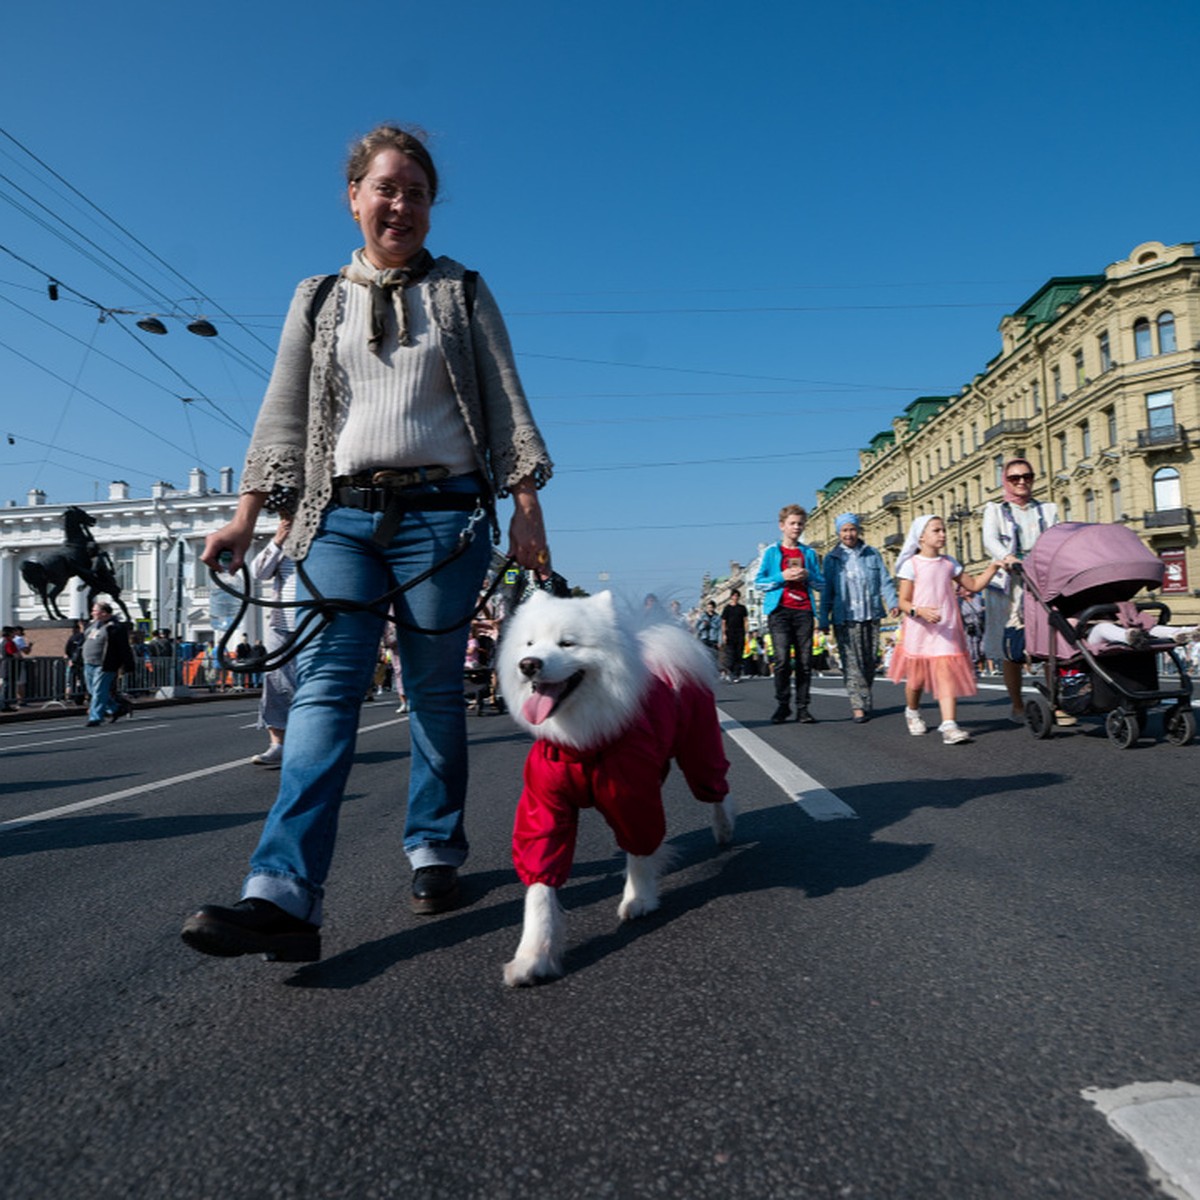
x,y
1073,557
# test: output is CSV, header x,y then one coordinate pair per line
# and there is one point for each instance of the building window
x,y
1160,410
1085,439
1114,499
1089,506
1110,420
1056,380
1066,508
1105,352
1166,333
125,569
974,435
1037,397
1141,339
1080,378
1061,439
998,463
1167,493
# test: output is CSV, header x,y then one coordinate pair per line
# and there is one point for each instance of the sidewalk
x,y
51,709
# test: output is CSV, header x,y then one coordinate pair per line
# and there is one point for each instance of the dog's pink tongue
x,y
541,704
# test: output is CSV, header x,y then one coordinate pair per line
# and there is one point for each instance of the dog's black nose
x,y
530,666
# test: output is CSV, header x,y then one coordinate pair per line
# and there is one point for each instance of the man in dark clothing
x,y
105,652
733,632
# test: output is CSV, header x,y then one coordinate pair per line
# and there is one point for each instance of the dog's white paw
x,y
540,952
723,818
641,886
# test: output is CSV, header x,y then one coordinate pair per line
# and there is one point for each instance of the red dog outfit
x,y
623,780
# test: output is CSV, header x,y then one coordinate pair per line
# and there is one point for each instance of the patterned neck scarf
x,y
387,292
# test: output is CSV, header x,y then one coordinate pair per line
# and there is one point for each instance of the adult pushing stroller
x,y
1076,575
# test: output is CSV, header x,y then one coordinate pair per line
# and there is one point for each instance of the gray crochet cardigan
x,y
294,436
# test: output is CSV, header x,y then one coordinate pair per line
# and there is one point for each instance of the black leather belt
x,y
378,499
393,493
397,478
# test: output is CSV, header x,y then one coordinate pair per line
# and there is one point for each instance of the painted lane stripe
x,y
111,798
1163,1121
81,737
817,801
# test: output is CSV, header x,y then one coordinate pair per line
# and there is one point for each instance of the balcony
x,y
1168,519
893,539
894,499
1001,428
1161,437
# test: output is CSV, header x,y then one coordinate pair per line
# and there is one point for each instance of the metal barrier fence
x,y
41,681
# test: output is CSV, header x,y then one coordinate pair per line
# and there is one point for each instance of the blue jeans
x,y
99,685
333,672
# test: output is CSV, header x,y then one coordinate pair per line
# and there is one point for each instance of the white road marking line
x,y
81,737
819,802
80,805
1163,1121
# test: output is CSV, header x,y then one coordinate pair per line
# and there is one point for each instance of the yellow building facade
x,y
1097,383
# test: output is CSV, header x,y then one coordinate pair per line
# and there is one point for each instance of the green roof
x,y
924,407
836,484
882,440
1042,307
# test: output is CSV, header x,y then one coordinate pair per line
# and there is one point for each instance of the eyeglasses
x,y
390,192
1027,477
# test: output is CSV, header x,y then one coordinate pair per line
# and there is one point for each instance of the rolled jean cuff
x,y
436,856
291,895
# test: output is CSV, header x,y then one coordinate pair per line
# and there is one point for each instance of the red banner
x,y
1175,577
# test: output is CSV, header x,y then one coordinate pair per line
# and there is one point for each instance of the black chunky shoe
x,y
252,926
434,890
805,717
780,715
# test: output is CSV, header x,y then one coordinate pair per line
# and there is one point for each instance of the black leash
x,y
319,612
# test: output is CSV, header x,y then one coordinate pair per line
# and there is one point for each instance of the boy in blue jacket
x,y
787,576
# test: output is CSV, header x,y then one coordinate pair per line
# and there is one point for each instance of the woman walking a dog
x,y
393,417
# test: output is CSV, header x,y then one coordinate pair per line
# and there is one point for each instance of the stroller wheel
x,y
1123,728
1039,716
1179,726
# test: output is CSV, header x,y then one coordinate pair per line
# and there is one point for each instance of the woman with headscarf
x,y
1010,528
932,652
858,592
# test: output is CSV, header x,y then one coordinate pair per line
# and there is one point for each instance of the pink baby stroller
x,y
1076,575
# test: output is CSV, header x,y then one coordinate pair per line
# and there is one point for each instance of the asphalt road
x,y
908,1002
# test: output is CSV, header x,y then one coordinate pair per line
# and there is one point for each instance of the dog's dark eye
x,y
565,643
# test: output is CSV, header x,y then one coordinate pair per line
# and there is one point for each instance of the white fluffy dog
x,y
609,703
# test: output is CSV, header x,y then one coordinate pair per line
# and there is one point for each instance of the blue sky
x,y
730,243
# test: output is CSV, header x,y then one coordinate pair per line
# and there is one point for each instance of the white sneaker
x,y
271,757
953,735
403,706
915,725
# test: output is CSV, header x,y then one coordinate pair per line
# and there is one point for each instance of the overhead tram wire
x,y
107,313
194,288
103,403
157,298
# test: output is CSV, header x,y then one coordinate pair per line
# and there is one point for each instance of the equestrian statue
x,y
48,574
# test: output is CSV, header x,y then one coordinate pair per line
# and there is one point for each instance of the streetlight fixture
x,y
202,328
151,325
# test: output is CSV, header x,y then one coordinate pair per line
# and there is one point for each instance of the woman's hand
x,y
930,614
234,538
527,531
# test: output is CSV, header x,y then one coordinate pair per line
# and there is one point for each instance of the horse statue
x,y
48,574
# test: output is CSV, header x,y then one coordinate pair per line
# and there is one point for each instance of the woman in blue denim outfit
x,y
858,593
393,419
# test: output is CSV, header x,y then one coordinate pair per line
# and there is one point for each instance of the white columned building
x,y
146,537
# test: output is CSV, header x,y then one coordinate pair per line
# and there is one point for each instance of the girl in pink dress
x,y
932,653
